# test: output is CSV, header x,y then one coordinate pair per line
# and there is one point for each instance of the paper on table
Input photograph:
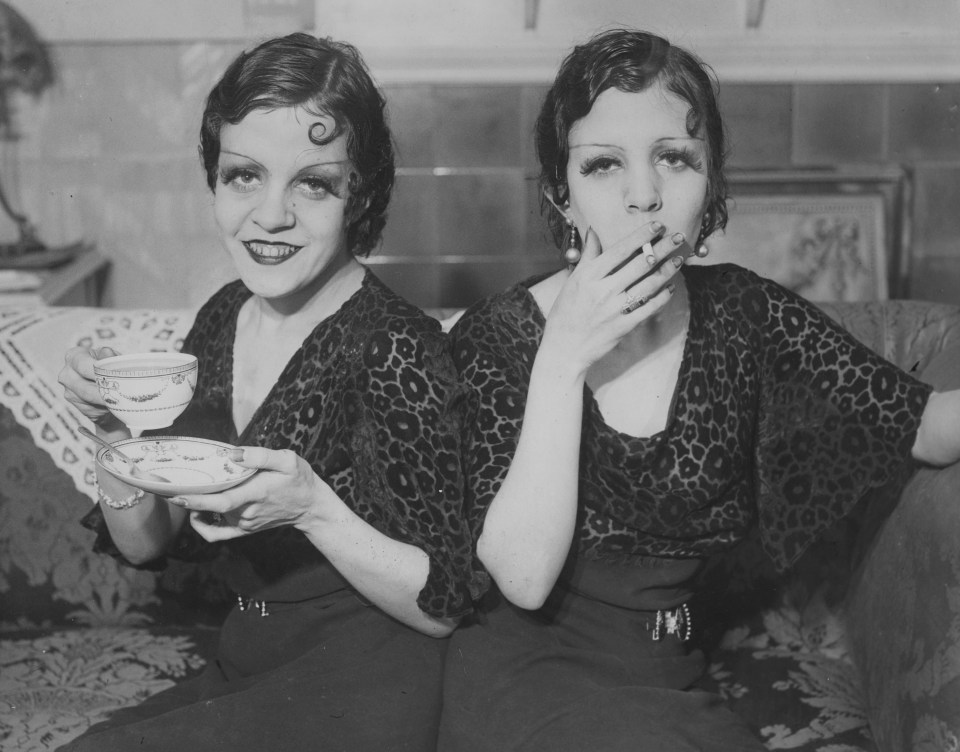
x,y
14,280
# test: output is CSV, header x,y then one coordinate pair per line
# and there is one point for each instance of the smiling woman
x,y
280,201
279,195
347,535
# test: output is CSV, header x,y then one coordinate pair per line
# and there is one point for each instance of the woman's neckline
x,y
690,327
343,309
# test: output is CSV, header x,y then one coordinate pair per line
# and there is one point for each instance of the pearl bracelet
x,y
131,501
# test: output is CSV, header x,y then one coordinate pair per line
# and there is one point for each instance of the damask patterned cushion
x,y
49,574
54,685
789,675
777,644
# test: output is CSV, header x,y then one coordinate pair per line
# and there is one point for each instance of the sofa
x,y
856,649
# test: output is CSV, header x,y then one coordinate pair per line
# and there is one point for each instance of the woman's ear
x,y
356,204
563,211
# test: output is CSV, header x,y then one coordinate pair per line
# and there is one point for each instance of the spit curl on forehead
x,y
318,132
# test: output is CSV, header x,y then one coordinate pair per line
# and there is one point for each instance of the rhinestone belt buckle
x,y
675,621
249,603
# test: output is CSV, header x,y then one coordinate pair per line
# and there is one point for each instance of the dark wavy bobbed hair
x,y
631,61
325,77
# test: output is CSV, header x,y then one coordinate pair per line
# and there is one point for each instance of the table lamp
x,y
25,66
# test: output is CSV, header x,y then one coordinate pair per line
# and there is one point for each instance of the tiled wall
x,y
110,156
915,125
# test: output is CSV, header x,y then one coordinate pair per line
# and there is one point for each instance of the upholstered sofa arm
x,y
908,333
904,603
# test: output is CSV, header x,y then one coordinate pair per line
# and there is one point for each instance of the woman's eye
x,y
315,187
599,165
673,159
240,180
679,158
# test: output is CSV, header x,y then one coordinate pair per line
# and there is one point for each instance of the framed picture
x,y
826,235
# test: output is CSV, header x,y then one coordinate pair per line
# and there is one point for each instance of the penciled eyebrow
x,y
665,139
333,163
598,146
330,163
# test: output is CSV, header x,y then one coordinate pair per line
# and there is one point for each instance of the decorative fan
x,y
25,65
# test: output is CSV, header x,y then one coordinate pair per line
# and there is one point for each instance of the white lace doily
x,y
32,345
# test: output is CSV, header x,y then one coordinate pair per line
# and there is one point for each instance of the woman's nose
x,y
274,211
642,192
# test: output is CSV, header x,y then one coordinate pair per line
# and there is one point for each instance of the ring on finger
x,y
632,303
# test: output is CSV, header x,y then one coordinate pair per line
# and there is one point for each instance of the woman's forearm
x,y
385,571
530,523
142,532
938,440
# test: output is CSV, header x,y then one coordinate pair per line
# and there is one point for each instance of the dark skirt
x,y
331,673
584,673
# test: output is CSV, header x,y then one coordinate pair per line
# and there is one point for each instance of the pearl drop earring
x,y
572,254
706,227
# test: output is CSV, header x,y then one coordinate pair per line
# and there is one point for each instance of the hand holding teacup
x,y
146,390
143,391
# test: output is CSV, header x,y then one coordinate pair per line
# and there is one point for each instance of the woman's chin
x,y
293,275
276,288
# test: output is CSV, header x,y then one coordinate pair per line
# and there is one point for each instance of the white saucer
x,y
193,466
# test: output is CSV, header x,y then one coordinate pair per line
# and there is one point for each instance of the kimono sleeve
x,y
835,419
493,354
407,456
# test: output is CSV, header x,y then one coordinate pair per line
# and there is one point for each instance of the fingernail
x,y
678,261
656,226
235,454
671,287
677,238
647,250
178,500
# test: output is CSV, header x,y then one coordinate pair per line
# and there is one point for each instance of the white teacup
x,y
147,390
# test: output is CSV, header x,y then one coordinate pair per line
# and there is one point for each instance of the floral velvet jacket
x,y
372,402
780,419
